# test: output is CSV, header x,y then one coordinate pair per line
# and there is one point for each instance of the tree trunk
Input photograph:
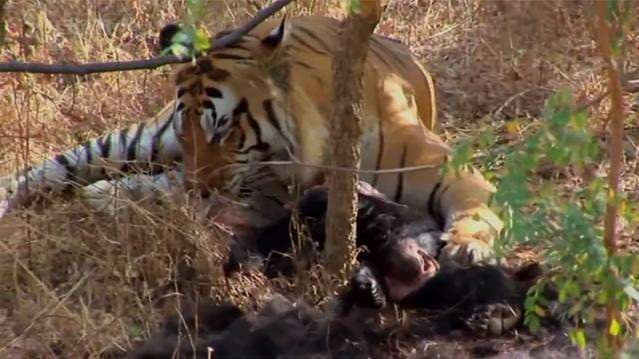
x,y
615,143
346,129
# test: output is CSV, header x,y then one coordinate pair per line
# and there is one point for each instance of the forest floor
x,y
76,283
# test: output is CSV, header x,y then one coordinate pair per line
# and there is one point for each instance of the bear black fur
x,y
390,232
378,219
280,330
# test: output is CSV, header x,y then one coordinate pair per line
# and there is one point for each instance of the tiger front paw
x,y
466,253
470,239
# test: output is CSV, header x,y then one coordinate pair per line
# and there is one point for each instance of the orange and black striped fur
x,y
268,97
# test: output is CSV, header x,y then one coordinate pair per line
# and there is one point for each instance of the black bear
x,y
398,264
281,329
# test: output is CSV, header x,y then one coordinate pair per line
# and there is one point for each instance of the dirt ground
x,y
74,283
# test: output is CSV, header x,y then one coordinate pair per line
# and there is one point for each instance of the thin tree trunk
x,y
616,119
3,23
346,129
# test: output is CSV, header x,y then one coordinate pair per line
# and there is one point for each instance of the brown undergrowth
x,y
77,283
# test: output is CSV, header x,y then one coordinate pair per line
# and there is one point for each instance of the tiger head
x,y
219,96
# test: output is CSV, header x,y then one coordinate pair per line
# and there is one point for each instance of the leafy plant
x,y
571,223
193,39
566,222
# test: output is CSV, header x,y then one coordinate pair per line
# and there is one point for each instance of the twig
x,y
511,99
295,162
627,84
447,30
100,67
593,102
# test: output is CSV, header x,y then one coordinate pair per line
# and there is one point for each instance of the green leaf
x,y
612,9
182,37
578,337
189,42
487,139
602,297
194,11
533,322
201,41
136,330
178,50
354,7
615,328
462,154
539,311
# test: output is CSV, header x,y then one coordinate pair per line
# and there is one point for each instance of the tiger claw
x,y
472,252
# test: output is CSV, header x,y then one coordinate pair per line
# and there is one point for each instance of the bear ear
x,y
166,35
279,36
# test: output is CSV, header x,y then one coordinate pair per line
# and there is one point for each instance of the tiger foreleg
x,y
471,226
457,199
145,147
113,196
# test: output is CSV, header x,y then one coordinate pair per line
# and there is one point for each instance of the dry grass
x,y
75,282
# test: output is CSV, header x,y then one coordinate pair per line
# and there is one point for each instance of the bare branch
x,y
627,84
100,67
90,68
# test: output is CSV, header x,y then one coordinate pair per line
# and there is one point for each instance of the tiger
x,y
242,111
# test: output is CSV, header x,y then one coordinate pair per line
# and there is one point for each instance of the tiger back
x,y
278,83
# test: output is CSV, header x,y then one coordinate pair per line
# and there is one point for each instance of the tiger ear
x,y
274,44
278,36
